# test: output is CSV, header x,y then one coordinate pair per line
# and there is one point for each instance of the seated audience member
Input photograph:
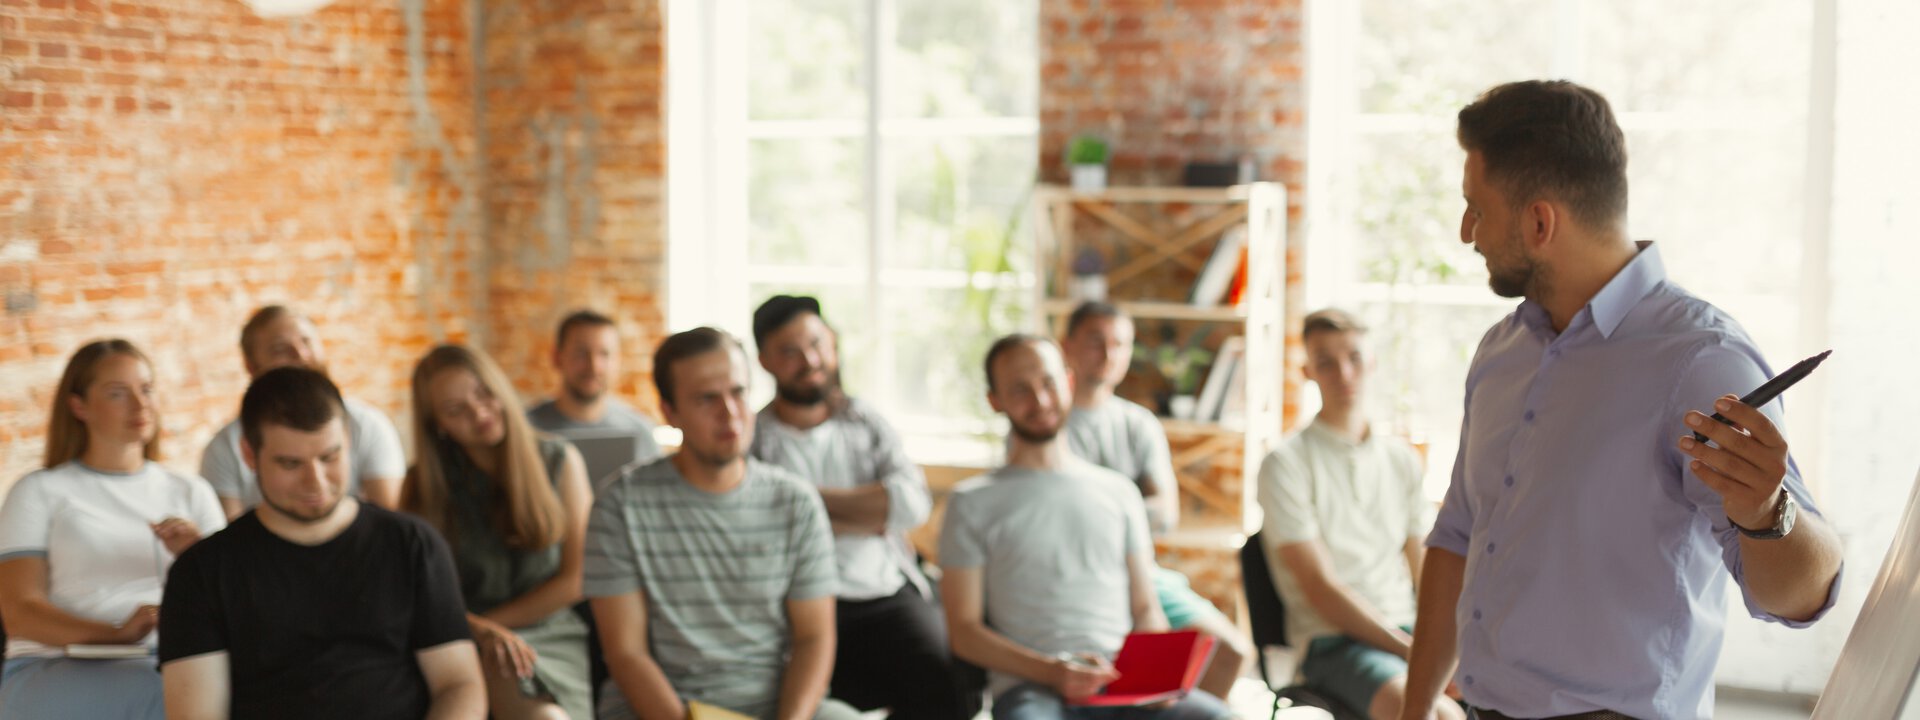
x,y
1345,517
314,605
1115,433
892,649
85,542
711,575
586,351
1047,562
274,337
513,506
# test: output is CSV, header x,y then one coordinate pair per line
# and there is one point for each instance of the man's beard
x,y
1036,435
583,397
302,518
809,396
1522,278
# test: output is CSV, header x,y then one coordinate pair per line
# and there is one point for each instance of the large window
x,y
881,157
1713,97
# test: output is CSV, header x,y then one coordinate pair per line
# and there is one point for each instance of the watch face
x,y
1788,510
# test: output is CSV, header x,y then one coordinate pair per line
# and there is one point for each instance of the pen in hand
x,y
1772,388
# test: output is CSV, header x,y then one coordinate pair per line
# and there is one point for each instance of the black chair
x,y
1268,615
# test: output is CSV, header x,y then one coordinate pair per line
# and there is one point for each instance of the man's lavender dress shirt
x,y
1596,562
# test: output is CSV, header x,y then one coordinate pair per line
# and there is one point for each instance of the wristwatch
x,y
1782,519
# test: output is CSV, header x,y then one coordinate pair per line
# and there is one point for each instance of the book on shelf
x,y
1233,410
1216,277
1225,364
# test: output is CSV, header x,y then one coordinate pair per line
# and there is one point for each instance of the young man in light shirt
x,y
1344,517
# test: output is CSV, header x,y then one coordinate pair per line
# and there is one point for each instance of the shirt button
x,y
1528,417
1490,547
1553,353
1476,614
1509,481
1468,679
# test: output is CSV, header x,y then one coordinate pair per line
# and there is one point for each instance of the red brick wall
x,y
575,163
165,167
1170,81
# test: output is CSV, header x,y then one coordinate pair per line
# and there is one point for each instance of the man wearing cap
x,y
892,650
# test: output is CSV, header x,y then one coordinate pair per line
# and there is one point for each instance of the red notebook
x,y
1155,667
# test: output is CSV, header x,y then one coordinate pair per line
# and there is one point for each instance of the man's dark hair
x,y
1091,310
1551,139
291,397
1330,320
1005,344
684,345
579,319
779,310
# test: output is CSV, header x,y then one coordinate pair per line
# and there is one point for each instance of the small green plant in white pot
x,y
1087,156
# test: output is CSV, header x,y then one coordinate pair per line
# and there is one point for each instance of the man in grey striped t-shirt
x,y
712,576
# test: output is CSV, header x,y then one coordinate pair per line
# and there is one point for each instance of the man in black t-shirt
x,y
314,605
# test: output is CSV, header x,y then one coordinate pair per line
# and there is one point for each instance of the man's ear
x,y
1540,225
247,455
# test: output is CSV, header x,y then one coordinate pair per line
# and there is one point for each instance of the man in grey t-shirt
x,y
893,645
1048,558
277,336
711,576
586,352
1114,433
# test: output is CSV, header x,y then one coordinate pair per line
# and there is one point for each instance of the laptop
x,y
605,453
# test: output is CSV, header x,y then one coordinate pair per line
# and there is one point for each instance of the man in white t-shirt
x,y
892,650
1120,435
277,336
1345,519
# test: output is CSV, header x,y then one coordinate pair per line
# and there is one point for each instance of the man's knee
x,y
1029,702
1388,699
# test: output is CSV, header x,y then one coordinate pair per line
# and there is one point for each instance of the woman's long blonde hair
x,y
522,505
66,432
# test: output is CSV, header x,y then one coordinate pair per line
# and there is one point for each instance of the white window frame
x,y
709,131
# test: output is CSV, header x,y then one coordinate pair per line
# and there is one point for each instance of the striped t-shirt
x,y
717,571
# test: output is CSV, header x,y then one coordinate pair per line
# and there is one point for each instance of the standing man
x,y
892,641
275,337
1578,565
1115,433
1344,517
586,352
711,575
1047,562
314,605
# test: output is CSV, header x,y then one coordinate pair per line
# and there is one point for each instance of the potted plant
x,y
1087,156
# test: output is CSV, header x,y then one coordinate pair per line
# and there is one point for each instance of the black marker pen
x,y
1772,388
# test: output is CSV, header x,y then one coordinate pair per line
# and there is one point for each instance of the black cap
x,y
779,310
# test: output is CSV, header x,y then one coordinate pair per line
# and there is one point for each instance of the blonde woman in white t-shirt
x,y
85,544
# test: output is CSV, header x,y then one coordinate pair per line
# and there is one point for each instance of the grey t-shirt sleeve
x,y
1155,458
960,542
221,466
378,452
1139,537
814,572
611,565
908,502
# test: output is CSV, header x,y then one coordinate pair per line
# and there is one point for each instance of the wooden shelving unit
x,y
1155,239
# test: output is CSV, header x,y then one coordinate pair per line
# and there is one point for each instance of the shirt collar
x,y
1641,275
1610,306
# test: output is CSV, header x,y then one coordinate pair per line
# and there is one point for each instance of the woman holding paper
x,y
85,543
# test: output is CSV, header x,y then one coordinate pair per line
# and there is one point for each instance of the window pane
x,y
1728,56
805,202
1419,383
940,338
1407,211
806,59
1432,56
957,200
965,59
